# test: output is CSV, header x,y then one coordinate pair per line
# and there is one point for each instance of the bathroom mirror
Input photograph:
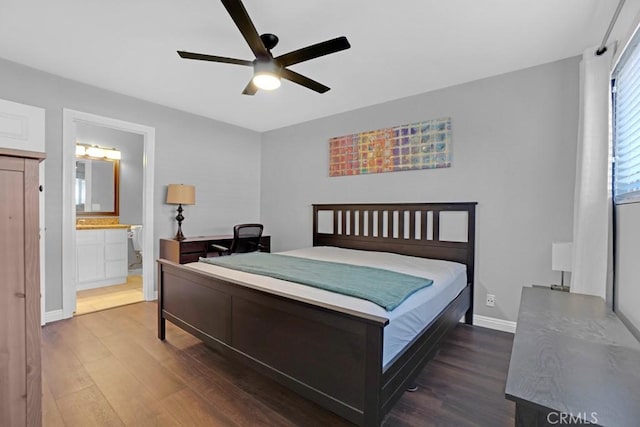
x,y
97,187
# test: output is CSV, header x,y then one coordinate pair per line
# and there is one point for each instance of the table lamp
x,y
180,194
561,259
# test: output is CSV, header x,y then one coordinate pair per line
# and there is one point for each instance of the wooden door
x,y
22,128
12,285
20,381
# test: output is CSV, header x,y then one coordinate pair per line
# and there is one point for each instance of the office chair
x,y
246,238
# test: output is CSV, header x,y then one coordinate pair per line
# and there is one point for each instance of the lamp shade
x,y
181,194
561,256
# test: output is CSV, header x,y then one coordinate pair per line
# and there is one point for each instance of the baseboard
x,y
630,326
493,323
52,316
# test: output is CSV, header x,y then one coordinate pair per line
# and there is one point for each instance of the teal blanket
x,y
383,287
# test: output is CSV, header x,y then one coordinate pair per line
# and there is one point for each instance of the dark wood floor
x,y
109,369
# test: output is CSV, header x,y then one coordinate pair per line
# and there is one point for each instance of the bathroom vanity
x,y
102,255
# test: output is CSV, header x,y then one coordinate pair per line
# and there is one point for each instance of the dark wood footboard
x,y
331,356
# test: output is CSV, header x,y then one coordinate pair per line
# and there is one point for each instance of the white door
x,y
22,128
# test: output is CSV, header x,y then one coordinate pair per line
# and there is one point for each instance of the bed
x,y
332,353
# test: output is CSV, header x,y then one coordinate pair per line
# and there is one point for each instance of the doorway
x,y
99,182
137,210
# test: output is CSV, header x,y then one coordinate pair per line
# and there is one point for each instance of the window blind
x,y
626,124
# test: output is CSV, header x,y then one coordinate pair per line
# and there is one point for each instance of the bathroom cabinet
x,y
20,379
101,257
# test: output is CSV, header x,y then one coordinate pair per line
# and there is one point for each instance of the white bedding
x,y
405,322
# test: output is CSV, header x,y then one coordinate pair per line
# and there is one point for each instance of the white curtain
x,y
592,260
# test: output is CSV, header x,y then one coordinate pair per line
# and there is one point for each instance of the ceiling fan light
x,y
266,75
266,81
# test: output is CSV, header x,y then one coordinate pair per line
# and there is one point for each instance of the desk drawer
x,y
185,258
191,247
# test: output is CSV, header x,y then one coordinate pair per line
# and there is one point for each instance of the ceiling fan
x,y
267,70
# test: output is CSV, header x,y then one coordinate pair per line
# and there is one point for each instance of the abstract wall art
x,y
424,145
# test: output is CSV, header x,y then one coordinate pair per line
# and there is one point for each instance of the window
x,y
626,124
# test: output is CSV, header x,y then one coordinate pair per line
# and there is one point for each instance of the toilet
x,y
135,234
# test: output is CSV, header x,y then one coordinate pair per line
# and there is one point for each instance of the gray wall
x,y
131,168
514,147
189,149
627,288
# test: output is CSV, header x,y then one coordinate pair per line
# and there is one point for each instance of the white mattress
x,y
405,321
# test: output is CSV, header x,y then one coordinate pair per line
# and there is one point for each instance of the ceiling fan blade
x,y
243,22
314,51
250,89
202,57
303,81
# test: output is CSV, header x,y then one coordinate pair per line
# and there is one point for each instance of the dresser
x,y
573,362
192,248
20,368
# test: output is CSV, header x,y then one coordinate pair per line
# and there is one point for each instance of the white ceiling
x,y
399,48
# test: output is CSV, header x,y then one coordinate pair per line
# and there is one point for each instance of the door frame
x,y
69,119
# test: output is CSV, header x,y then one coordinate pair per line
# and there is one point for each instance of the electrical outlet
x,y
491,300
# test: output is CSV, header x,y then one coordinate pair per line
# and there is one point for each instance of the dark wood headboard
x,y
405,228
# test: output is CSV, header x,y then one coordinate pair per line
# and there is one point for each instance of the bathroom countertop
x,y
99,223
100,226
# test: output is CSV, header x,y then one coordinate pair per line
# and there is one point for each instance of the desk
x,y
572,356
192,248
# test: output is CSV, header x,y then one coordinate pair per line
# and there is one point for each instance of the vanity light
x,y
98,152
113,154
94,152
